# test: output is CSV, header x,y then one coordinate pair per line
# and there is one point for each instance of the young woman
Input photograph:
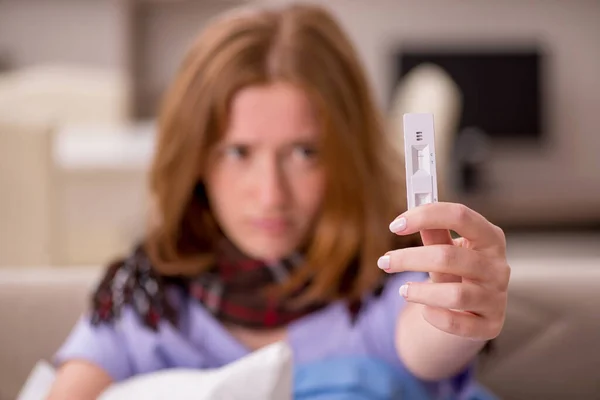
x,y
279,214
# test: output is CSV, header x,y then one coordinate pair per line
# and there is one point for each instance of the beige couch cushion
x,y
34,103
549,346
26,182
38,308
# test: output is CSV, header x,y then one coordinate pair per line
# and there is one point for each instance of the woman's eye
x,y
305,152
236,152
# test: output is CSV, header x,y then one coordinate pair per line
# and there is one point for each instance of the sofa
x,y
60,203
65,93
548,349
27,188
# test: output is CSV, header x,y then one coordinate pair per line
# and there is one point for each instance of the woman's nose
x,y
272,190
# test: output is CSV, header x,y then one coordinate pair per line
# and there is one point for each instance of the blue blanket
x,y
362,378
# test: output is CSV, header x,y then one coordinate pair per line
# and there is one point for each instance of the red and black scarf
x,y
232,291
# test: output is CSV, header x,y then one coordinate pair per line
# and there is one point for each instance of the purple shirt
x,y
126,347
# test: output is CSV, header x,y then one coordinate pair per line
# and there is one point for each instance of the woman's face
x,y
265,179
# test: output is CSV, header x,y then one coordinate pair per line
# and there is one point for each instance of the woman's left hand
x,y
467,291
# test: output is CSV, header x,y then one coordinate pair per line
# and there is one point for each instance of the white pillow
x,y
266,374
38,383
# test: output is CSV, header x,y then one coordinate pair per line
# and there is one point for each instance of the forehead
x,y
273,112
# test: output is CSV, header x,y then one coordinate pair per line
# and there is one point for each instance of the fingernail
x,y
398,225
383,262
404,290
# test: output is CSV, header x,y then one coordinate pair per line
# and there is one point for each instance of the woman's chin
x,y
268,250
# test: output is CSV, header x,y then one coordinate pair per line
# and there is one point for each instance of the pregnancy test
x,y
419,151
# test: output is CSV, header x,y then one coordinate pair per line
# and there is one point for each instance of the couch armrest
x,y
38,308
549,346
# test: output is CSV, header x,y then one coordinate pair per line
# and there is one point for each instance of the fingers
x,y
462,323
455,296
450,216
445,259
436,236
463,309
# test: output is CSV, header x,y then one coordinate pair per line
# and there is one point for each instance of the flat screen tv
x,y
502,89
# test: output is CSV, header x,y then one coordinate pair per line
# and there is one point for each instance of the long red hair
x,y
302,45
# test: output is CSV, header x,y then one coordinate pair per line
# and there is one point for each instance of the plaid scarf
x,y
232,291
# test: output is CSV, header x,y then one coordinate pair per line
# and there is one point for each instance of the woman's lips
x,y
271,225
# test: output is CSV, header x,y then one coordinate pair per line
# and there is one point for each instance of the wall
x,y
66,31
163,33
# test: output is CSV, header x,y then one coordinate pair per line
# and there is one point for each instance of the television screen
x,y
502,90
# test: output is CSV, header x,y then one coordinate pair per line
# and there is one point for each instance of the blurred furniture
x,y
66,94
38,307
548,349
101,201
26,190
41,206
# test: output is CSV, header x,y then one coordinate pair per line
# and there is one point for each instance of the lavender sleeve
x,y
103,345
126,347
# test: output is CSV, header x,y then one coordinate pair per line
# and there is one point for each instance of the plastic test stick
x,y
419,150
